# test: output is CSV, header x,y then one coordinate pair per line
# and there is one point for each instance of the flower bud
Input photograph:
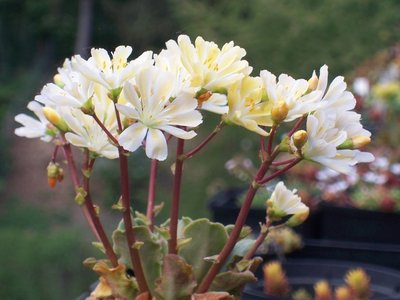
x,y
114,94
275,281
279,112
313,82
54,173
58,81
342,293
360,141
355,142
299,138
359,283
88,107
322,290
54,118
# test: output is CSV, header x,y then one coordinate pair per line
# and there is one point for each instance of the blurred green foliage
x,y
34,255
41,259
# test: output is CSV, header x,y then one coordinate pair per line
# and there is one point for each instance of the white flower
x,y
155,111
324,138
335,98
74,92
246,107
294,93
35,128
284,202
113,72
212,68
86,133
205,67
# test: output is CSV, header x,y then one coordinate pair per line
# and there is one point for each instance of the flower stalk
x,y
127,217
174,212
240,221
151,192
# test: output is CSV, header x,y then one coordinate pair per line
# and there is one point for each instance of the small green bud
x,y
88,107
80,196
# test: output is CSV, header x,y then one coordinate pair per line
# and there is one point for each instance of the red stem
x,y
75,180
205,142
109,134
55,152
296,126
279,172
174,213
130,235
260,239
94,216
270,139
241,219
283,162
117,115
151,193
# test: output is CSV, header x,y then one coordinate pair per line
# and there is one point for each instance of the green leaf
x,y
121,247
246,230
207,239
150,252
239,250
151,255
177,281
232,282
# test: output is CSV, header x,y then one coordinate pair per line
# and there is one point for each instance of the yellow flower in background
x,y
386,91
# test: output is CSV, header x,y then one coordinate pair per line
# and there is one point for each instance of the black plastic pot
x,y
358,225
373,253
304,273
225,208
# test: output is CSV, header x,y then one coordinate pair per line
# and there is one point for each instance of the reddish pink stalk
x,y
271,139
279,172
94,216
241,219
106,131
75,180
174,213
283,162
151,192
260,239
296,126
130,235
205,142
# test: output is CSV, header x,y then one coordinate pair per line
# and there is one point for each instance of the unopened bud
x,y
322,290
58,81
299,138
342,293
360,141
279,112
54,173
355,142
313,82
54,118
276,282
88,107
114,94
359,283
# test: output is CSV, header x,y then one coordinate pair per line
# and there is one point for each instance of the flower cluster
x,y
110,105
158,96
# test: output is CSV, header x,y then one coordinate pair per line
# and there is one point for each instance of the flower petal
x,y
132,137
156,145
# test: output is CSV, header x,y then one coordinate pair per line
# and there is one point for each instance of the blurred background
x,y
43,236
